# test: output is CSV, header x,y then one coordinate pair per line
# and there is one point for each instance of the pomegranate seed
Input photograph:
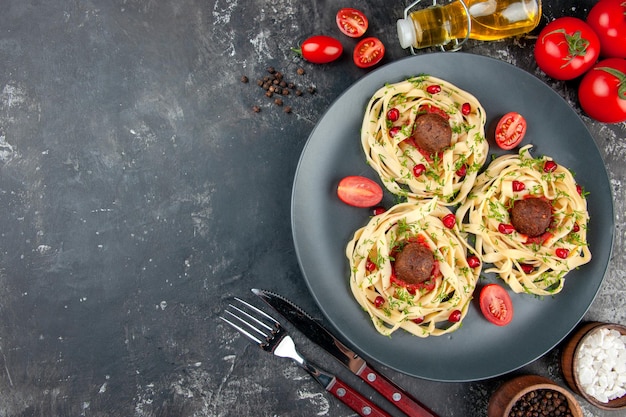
x,y
461,172
562,253
418,320
378,210
466,109
433,89
506,229
549,166
455,316
518,186
473,261
528,269
370,266
419,169
393,114
394,131
379,301
449,220
576,228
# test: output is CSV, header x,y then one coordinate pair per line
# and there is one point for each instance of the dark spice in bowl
x,y
542,402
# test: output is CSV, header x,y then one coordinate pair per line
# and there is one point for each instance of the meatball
x,y
531,216
432,133
414,264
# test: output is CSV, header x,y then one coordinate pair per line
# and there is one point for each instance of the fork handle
x,y
353,399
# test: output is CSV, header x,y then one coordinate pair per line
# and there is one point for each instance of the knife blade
x,y
357,365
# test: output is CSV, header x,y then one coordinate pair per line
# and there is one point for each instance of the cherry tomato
x,y
602,91
510,130
368,52
608,20
351,22
359,191
320,49
496,304
566,48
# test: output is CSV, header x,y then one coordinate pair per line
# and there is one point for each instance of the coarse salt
x,y
601,365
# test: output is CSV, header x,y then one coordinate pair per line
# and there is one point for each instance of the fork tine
x,y
242,330
261,312
247,321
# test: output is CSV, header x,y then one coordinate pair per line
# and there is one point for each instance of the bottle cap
x,y
406,33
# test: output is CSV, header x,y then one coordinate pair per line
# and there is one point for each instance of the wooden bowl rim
x,y
537,382
617,403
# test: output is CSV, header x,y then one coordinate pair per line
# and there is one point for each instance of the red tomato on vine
x,y
566,48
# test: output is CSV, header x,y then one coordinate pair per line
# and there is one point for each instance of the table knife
x,y
357,365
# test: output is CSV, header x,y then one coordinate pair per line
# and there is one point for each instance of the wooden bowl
x,y
505,397
569,363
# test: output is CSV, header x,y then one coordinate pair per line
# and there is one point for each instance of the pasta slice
x,y
387,138
531,264
422,311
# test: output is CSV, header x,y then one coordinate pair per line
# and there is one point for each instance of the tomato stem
x,y
297,51
576,45
621,77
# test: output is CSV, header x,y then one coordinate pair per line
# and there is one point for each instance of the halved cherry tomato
x,y
368,52
510,130
359,191
351,22
496,304
320,49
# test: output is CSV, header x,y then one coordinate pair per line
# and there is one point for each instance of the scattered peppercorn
x,y
275,83
542,402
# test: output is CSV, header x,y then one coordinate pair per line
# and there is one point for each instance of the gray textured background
x,y
139,192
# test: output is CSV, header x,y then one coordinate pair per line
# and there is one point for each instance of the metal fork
x,y
269,335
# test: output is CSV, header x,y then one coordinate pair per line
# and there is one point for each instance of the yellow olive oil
x,y
490,20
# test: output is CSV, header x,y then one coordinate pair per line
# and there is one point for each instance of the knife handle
x,y
396,395
353,399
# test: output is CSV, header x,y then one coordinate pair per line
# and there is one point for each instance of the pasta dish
x,y
529,219
411,270
425,138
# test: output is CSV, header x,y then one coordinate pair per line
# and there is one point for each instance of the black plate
x,y
322,225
